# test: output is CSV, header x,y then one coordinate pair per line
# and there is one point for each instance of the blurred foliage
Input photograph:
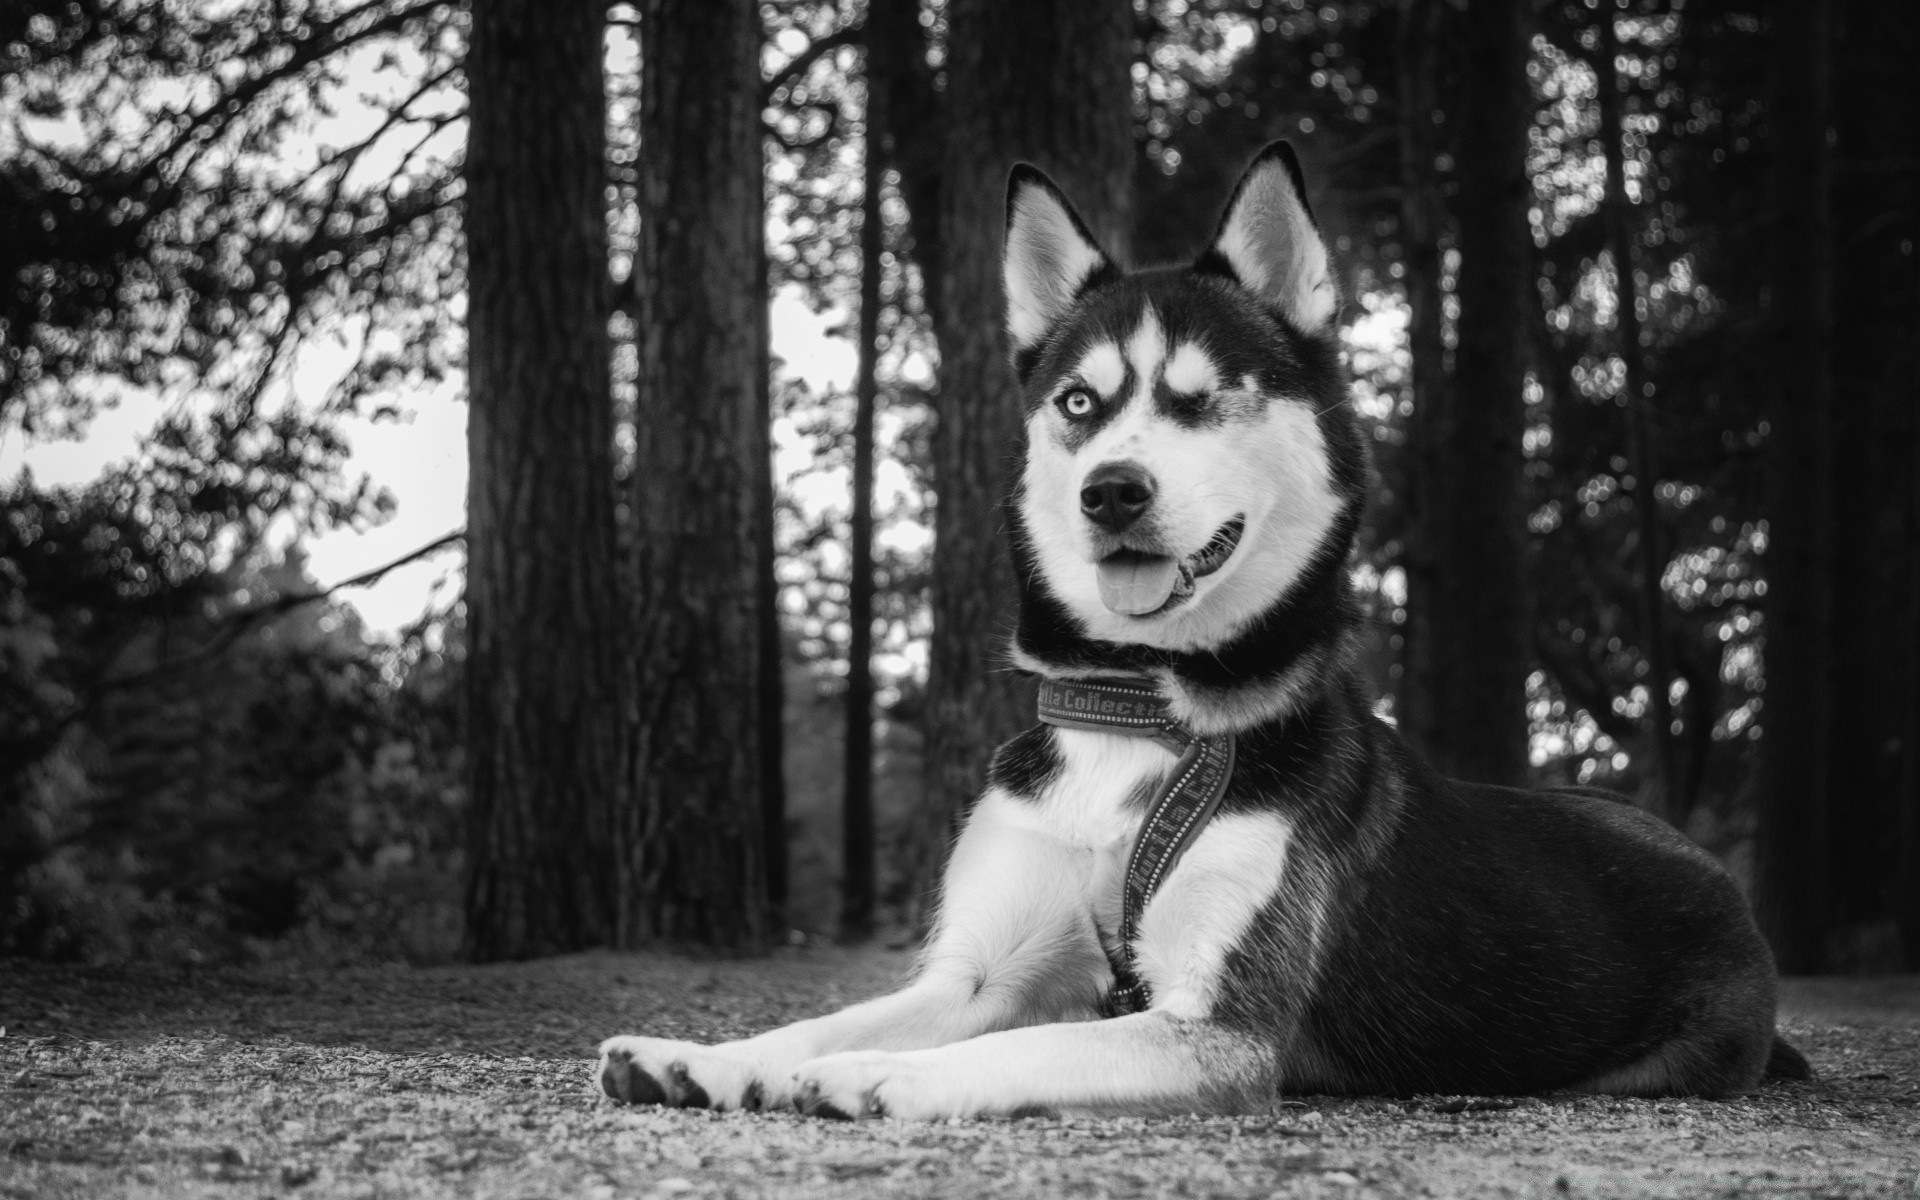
x,y
197,785
196,207
168,225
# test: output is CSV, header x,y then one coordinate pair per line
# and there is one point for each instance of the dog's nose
x,y
1115,495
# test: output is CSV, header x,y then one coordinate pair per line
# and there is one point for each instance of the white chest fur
x,y
1204,907
1087,803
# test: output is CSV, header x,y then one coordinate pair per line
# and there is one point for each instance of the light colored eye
x,y
1078,403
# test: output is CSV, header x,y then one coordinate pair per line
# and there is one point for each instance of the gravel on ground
x,y
477,1082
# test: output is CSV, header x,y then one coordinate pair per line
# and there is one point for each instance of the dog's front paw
x,y
644,1070
870,1083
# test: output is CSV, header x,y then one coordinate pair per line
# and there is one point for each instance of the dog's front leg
x,y
1146,1064
1014,945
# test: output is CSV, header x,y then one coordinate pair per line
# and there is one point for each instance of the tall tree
x,y
856,803
911,142
1045,81
1420,697
1874,788
1841,815
1795,881
547,701
1474,498
773,666
694,838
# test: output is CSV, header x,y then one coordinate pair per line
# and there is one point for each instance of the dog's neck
x,y
1275,668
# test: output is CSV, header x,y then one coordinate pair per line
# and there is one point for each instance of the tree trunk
x,y
1874,536
856,799
912,141
1794,883
1045,81
1480,615
1419,697
1669,799
545,695
697,834
773,659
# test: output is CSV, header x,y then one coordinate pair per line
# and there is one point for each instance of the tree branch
x,y
244,621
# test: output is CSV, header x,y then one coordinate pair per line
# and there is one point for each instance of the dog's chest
x,y
1096,802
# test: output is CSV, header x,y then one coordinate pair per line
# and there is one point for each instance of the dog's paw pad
x,y
686,1093
623,1079
808,1102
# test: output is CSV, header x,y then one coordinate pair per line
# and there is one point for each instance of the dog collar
x,y
1133,707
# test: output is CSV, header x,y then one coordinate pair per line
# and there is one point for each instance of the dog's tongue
x,y
1135,586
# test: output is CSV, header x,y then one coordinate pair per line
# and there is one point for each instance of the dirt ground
x,y
472,1081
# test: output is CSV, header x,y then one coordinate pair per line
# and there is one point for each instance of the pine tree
x,y
1046,81
548,705
694,838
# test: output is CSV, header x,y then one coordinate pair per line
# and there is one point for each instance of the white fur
x,y
1272,468
1016,947
1146,350
1190,372
1102,369
1270,242
1203,909
1046,261
1145,1064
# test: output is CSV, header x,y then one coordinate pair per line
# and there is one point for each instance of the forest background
x,y
1632,309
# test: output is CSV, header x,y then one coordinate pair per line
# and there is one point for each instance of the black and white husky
x,y
1348,921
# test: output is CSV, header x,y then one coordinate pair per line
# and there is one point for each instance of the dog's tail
x,y
1785,1064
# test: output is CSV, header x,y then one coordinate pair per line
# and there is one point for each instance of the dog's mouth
x,y
1136,583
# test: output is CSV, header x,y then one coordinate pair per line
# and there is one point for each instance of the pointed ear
x,y
1049,258
1269,244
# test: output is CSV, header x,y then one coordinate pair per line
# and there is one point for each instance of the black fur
x,y
1786,1065
1479,939
1026,764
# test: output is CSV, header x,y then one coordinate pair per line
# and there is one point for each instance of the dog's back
x,y
1509,941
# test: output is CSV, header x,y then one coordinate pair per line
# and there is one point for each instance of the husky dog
x,y
1348,921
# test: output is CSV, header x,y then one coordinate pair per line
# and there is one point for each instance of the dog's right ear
x,y
1050,257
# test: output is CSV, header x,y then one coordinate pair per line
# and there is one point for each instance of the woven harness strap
x,y
1134,708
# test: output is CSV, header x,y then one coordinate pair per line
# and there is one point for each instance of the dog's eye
x,y
1078,403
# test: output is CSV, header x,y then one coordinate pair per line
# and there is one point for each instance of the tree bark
x,y
913,139
1873,801
773,659
1794,882
1046,81
545,691
1419,697
1479,618
697,831
1669,801
856,800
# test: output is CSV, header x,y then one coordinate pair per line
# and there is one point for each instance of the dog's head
x,y
1191,460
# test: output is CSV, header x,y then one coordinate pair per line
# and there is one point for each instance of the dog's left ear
x,y
1049,259
1269,244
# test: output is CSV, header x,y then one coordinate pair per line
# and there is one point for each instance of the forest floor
x,y
477,1081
